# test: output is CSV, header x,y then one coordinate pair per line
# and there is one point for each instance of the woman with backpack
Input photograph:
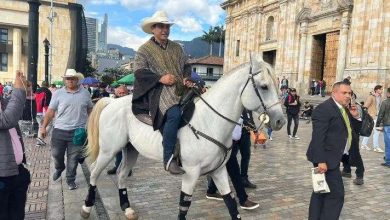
x,y
293,106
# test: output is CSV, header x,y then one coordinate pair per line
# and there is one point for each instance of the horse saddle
x,y
187,108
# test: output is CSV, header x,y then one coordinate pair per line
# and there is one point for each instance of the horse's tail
x,y
93,128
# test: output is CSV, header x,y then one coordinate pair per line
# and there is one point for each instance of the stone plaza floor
x,y
280,171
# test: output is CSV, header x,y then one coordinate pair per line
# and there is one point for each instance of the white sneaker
x,y
296,137
270,138
365,147
378,150
290,136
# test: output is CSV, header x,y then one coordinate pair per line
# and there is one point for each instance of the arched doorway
x,y
324,57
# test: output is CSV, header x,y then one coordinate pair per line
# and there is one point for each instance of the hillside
x,y
198,48
195,48
122,50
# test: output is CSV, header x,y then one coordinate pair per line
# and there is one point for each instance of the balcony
x,y
210,76
6,46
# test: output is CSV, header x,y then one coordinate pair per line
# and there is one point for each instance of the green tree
x,y
220,37
89,70
210,38
115,73
107,79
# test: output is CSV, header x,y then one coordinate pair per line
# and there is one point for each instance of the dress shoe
x,y
248,184
358,181
385,165
214,196
111,171
57,175
345,174
249,205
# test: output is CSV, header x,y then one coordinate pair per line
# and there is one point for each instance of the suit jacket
x,y
330,135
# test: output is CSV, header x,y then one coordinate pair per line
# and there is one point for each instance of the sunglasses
x,y
72,79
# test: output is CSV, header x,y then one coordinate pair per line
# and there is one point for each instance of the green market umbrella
x,y
114,84
128,80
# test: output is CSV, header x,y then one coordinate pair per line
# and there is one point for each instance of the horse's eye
x,y
265,87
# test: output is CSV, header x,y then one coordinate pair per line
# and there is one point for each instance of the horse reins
x,y
225,149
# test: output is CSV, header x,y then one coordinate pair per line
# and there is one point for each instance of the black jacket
x,y
292,109
329,136
146,96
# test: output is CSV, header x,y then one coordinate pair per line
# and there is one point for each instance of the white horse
x,y
112,126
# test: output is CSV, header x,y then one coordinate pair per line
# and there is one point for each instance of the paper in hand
x,y
319,182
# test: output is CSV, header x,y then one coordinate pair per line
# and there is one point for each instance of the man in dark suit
x,y
334,122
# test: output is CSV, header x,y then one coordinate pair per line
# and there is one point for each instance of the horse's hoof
x,y
85,211
130,214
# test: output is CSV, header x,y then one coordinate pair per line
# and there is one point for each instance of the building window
x,y
238,48
194,69
3,35
270,28
3,62
209,71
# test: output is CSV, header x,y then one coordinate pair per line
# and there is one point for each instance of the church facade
x,y
313,39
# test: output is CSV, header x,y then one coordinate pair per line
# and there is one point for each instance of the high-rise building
x,y
103,35
92,34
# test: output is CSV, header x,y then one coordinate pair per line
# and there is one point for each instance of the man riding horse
x,y
160,81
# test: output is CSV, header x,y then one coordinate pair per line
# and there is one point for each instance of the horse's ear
x,y
255,61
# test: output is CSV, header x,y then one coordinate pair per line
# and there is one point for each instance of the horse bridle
x,y
198,133
251,78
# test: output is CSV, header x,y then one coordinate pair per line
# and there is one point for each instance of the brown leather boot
x,y
173,167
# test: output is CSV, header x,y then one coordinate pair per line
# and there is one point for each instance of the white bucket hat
x,y
71,73
158,17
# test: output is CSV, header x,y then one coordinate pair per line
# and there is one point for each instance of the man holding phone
x,y
334,122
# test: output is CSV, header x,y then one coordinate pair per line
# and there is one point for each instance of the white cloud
x,y
188,24
208,12
121,36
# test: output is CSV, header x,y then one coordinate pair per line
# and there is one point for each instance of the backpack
x,y
367,124
40,99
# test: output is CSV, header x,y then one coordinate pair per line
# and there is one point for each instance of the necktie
x,y
348,124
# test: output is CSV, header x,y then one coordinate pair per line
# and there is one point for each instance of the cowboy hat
x,y
158,17
71,73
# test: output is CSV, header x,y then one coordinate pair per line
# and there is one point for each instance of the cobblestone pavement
x,y
38,162
280,171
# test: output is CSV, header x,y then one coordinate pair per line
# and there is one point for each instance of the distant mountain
x,y
199,48
122,50
195,48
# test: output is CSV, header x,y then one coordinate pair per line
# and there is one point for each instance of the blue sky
x,y
125,16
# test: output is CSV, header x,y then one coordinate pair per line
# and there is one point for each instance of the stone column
x,y
17,48
343,41
33,32
302,54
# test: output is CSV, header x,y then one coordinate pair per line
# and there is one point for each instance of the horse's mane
x,y
263,65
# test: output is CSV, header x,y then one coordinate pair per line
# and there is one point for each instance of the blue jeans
x,y
171,126
269,132
386,136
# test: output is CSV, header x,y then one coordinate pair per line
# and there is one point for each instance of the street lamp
x,y
46,43
51,17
